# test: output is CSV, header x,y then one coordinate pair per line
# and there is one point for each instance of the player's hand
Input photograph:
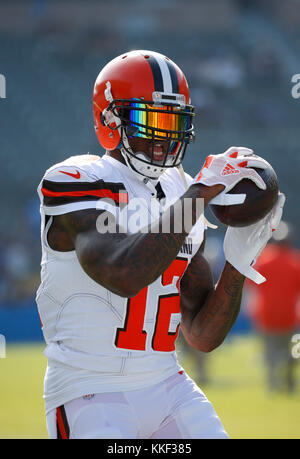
x,y
228,169
242,246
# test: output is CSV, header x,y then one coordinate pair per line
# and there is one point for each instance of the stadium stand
x,y
239,65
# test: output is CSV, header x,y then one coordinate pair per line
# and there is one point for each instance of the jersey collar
x,y
149,183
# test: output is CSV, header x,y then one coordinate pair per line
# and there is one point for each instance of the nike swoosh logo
x,y
77,175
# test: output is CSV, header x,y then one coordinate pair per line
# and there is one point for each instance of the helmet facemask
x,y
166,128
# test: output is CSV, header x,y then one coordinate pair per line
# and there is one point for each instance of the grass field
x,y
237,391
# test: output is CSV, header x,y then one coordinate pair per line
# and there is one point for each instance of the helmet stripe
x,y
164,74
167,81
174,77
157,75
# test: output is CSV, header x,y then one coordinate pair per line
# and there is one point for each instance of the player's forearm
x,y
206,327
126,263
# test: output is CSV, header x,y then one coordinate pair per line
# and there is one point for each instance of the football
x,y
257,203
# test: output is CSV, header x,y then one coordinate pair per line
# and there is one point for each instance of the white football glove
x,y
228,169
242,246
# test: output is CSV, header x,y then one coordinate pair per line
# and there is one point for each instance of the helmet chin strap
x,y
137,163
149,182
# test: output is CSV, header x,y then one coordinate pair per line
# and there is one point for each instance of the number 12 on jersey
x,y
132,335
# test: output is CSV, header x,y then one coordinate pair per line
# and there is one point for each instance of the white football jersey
x,y
97,341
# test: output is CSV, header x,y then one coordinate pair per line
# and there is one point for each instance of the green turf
x,y
21,392
237,391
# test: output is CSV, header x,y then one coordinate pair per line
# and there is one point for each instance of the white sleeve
x,y
70,188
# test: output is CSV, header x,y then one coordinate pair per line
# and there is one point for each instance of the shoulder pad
x,y
74,169
76,184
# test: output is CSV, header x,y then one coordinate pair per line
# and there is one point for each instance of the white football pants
x,y
173,409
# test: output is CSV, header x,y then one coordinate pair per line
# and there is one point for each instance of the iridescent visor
x,y
160,122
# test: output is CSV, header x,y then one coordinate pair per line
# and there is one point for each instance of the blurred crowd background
x,y
239,57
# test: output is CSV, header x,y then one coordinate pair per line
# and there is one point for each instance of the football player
x,y
113,293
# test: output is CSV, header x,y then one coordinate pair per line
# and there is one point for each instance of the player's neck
x,y
116,154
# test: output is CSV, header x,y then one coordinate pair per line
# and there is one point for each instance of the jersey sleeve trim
x,y
62,193
84,205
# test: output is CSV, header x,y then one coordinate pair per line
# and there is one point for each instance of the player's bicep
x,y
96,236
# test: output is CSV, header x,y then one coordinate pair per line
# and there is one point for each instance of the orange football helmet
x,y
143,94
